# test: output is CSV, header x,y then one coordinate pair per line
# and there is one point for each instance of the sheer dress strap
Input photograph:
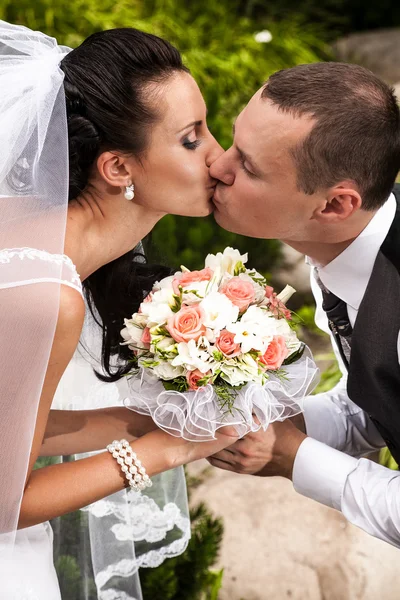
x,y
9,257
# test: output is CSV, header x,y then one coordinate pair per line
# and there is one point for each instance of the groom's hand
x,y
264,453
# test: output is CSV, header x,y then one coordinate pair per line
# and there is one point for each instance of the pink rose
x,y
278,309
269,290
187,324
146,337
275,353
227,345
240,292
191,277
193,378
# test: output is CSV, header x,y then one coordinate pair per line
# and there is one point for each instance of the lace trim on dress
x,y
7,254
147,521
127,567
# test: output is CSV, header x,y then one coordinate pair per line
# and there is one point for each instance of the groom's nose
x,y
220,169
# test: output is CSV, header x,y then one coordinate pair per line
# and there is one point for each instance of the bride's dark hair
x,y
108,108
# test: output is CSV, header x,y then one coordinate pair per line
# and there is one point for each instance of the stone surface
x,y
279,545
377,50
294,270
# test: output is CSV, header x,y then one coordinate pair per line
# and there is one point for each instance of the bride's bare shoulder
x,y
70,317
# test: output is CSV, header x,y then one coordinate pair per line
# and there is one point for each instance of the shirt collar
x,y
348,274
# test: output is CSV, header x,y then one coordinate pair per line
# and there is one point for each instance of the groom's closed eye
x,y
246,163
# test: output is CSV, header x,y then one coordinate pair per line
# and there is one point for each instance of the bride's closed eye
x,y
191,144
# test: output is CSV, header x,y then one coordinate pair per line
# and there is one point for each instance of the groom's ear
x,y
341,201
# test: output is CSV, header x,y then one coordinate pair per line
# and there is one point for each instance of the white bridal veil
x,y
127,530
33,208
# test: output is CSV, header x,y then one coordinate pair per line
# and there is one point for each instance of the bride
x,y
97,145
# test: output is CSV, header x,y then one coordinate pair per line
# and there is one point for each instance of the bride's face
x,y
173,176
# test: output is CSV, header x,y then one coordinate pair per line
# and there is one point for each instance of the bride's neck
x,y
100,231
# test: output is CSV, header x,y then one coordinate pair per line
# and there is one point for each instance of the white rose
x,y
131,332
165,283
226,261
218,311
164,343
165,370
138,319
233,374
283,328
196,291
158,311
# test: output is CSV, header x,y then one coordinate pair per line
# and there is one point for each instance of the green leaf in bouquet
x,y
177,301
218,356
179,384
257,277
295,355
239,268
226,395
205,380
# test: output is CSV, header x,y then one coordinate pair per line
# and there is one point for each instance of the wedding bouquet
x,y
215,347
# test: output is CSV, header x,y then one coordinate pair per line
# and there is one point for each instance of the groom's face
x,y
257,193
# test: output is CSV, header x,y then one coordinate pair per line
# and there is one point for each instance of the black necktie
x,y
338,319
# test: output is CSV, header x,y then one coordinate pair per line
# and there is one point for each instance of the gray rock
x,y
279,545
377,50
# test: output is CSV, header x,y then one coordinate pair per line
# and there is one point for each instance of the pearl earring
x,y
130,192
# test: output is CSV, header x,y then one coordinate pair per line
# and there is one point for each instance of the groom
x,y
315,156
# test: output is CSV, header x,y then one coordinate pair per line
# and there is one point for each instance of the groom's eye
x,y
243,166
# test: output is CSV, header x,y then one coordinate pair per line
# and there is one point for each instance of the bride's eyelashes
x,y
191,145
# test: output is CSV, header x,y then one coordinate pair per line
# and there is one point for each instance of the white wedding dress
x,y
127,530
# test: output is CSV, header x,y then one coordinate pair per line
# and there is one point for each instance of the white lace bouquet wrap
x,y
215,347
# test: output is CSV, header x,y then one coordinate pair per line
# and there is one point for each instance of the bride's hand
x,y
161,451
184,451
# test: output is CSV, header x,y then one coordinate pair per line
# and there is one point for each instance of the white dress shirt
x,y
328,466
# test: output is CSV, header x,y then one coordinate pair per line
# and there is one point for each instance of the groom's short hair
x,y
357,130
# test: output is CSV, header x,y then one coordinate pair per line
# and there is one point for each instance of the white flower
x,y
159,309
255,330
193,356
286,293
218,311
165,370
138,319
263,37
131,332
165,283
226,261
231,373
163,343
247,335
195,292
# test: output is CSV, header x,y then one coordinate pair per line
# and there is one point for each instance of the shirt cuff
x,y
320,472
324,420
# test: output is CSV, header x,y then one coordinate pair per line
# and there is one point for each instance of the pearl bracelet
x,y
130,465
